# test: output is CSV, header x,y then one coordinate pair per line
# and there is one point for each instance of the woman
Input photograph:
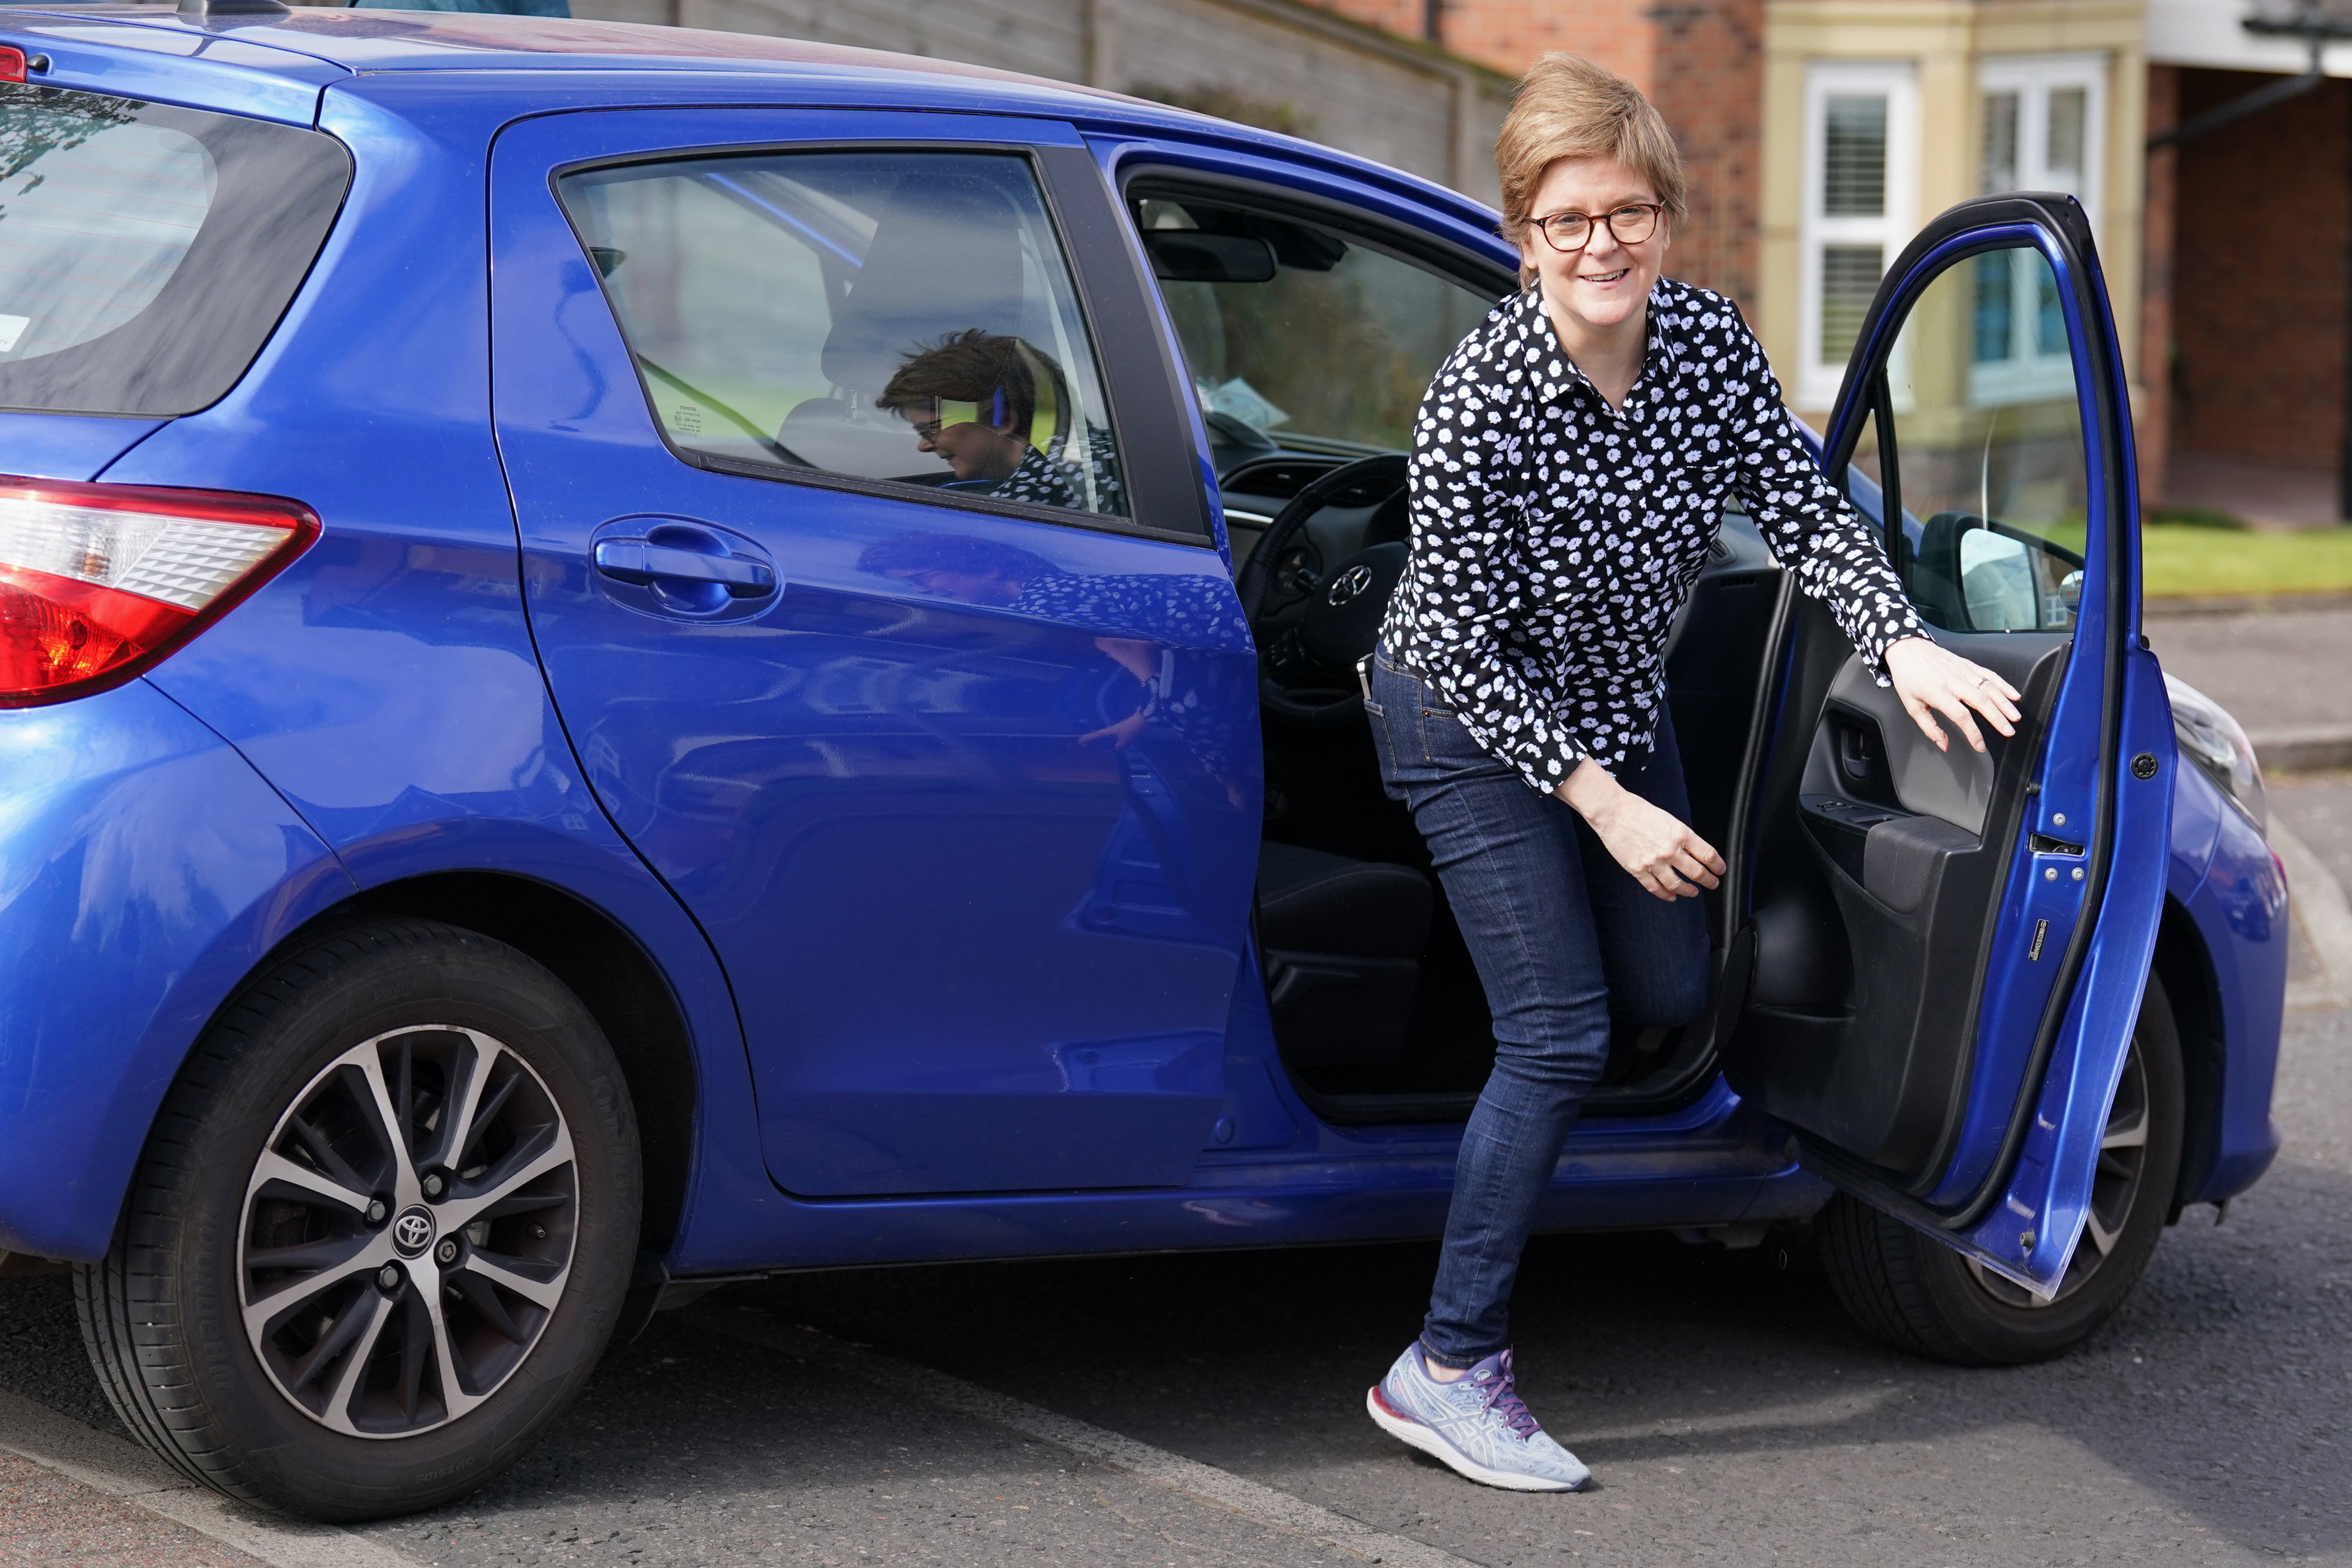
x,y
1569,465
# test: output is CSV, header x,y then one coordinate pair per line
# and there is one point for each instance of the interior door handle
x,y
642,562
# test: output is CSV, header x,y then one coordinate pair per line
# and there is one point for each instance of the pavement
x,y
1208,1409
2279,668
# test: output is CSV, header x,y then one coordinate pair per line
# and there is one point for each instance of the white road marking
x,y
2317,903
122,1469
1276,1510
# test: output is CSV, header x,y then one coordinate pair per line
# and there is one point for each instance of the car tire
x,y
263,1321
1918,1295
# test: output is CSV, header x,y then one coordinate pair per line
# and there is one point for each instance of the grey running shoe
x,y
1478,1424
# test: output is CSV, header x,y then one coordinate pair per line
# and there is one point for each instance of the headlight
x,y
2213,740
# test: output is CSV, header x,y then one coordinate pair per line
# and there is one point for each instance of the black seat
x,y
1343,940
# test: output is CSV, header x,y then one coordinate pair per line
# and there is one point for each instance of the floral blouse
x,y
1554,538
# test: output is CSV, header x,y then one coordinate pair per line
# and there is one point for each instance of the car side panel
x,y
65,445
144,867
386,684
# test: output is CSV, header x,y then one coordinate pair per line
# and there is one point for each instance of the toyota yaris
x,y
632,657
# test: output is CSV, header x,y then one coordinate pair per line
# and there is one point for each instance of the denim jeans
x,y
1565,940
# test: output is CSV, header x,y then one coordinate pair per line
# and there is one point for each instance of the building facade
x,y
1820,134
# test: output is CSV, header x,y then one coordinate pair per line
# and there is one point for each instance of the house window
x,y
1860,158
2043,115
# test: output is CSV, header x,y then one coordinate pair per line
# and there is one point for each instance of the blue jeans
x,y
1565,940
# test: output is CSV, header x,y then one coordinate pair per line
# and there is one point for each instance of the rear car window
x,y
146,250
901,317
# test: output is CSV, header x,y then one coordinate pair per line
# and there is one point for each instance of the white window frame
x,y
1897,82
2028,375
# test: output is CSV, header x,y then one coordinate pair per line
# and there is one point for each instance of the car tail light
x,y
12,63
99,583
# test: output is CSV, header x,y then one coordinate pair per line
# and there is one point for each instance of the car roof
x,y
386,40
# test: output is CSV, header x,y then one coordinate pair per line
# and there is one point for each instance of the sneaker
x,y
1477,1424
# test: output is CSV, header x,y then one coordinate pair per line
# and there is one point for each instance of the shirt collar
x,y
1554,373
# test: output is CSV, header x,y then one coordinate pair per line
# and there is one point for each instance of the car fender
x,y
144,867
2238,907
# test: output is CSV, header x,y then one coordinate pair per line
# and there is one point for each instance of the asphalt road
x,y
1730,1412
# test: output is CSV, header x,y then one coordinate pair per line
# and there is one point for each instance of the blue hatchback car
x,y
633,658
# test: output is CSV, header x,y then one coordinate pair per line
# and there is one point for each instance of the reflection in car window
x,y
1296,335
1984,457
904,317
146,250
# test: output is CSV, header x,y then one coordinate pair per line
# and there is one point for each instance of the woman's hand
x,y
1931,679
1659,851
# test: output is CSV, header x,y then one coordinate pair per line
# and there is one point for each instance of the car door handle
x,y
642,562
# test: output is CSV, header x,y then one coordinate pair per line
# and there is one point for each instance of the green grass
x,y
2180,560
2202,560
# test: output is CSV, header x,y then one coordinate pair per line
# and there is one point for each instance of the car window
x,y
1298,335
906,317
147,250
1977,445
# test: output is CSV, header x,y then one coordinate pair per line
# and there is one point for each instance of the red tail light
x,y
12,63
99,583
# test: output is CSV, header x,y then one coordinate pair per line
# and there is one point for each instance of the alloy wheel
x,y
2115,1189
407,1231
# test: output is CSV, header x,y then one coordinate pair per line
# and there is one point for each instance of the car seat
x,y
1343,940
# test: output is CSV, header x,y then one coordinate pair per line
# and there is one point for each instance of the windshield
x,y
1298,335
146,251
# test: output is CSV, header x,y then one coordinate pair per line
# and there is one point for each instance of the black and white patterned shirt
x,y
1045,480
1554,538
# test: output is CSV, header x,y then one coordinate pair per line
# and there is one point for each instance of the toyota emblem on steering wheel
x,y
1348,584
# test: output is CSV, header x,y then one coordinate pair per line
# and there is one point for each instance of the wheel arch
x,y
612,974
2183,966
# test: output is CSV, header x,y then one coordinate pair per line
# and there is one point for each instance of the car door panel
x,y
1934,939
1911,843
979,872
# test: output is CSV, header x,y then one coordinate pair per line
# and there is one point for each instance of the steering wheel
x,y
1307,672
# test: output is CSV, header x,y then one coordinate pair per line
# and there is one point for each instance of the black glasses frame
x,y
1607,220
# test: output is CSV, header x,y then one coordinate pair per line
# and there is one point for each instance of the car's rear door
x,y
870,567
1944,953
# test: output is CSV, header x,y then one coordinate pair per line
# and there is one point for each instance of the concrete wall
x,y
1377,96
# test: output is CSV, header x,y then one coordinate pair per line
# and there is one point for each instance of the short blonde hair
x,y
1567,107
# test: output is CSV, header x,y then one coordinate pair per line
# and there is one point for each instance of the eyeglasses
x,y
1569,232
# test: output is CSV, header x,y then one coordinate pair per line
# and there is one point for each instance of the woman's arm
x,y
1838,559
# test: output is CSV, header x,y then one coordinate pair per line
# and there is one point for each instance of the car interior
x,y
1866,861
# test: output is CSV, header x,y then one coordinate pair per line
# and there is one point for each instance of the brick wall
x,y
2258,295
1701,62
1380,97
1509,34
1709,84
1406,18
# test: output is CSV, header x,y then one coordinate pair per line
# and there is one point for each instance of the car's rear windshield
x,y
147,250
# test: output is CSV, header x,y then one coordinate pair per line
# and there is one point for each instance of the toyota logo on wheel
x,y
412,1233
1348,584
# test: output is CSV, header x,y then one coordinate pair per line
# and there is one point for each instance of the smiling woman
x,y
1570,467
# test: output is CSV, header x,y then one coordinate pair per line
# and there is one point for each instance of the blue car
x,y
632,658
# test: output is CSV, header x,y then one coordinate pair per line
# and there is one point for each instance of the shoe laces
x,y
1501,1398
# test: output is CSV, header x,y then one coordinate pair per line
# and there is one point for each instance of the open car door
x,y
1945,952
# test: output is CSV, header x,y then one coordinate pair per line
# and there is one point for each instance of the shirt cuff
x,y
1881,635
1544,759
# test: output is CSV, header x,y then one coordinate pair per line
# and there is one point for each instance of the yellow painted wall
x,y
1945,41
